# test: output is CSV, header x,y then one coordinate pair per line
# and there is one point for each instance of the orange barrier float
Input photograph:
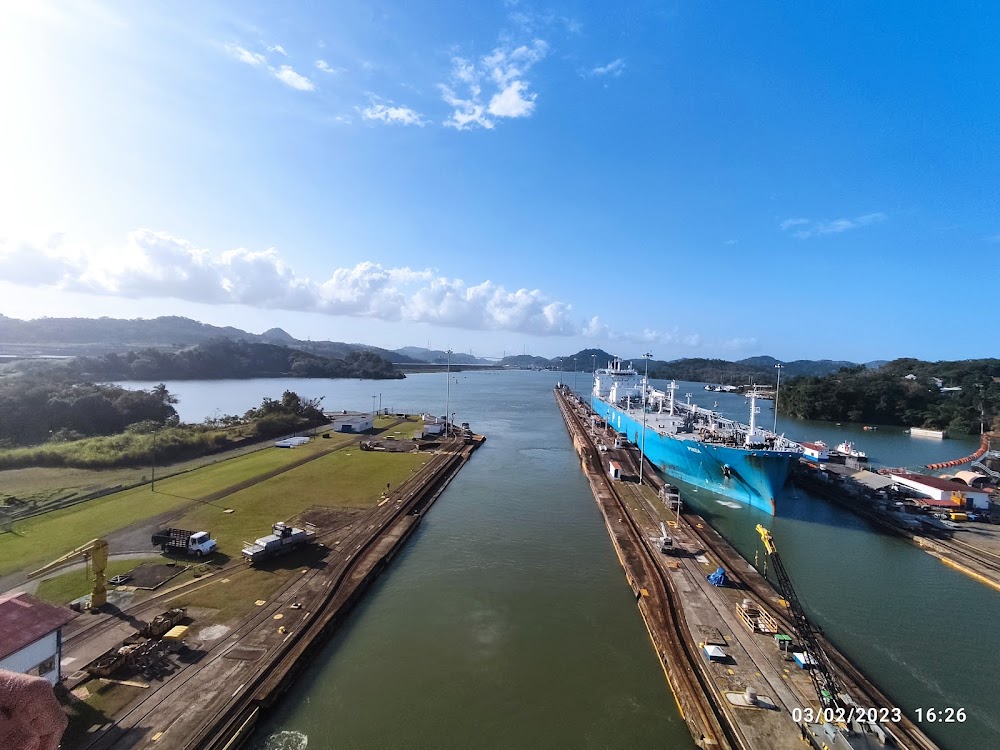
x,y
984,445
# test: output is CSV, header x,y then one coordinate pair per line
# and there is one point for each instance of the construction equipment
x,y
821,672
96,551
162,623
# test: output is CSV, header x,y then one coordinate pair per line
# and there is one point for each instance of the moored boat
x,y
848,450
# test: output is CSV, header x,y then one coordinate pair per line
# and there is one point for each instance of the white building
x,y
30,635
355,423
944,490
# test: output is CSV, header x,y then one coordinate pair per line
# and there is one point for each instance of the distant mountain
x,y
759,369
583,361
97,336
278,336
224,358
527,361
438,357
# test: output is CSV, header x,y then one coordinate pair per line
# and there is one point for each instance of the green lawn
x,y
233,597
347,478
64,588
37,540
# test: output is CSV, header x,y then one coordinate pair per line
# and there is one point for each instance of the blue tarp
x,y
718,578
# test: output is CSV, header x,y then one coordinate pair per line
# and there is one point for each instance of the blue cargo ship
x,y
697,445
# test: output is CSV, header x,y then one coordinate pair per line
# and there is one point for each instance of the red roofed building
x,y
944,490
30,637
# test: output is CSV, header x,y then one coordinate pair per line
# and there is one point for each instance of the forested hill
x,y
223,358
95,336
902,392
760,370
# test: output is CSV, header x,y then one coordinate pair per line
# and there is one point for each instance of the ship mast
x,y
672,387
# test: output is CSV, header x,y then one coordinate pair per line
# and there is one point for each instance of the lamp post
x,y
374,396
152,481
447,403
777,390
574,374
645,387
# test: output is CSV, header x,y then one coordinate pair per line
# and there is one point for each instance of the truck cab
x,y
201,543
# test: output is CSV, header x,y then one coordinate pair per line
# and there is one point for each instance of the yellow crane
x,y
96,550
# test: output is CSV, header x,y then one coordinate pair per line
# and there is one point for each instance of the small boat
x,y
869,428
850,451
817,452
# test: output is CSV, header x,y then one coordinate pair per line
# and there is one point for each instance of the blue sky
x,y
695,179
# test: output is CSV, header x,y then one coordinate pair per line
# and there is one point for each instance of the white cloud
x,y
789,223
504,71
596,329
731,242
810,228
511,103
285,73
289,77
327,68
155,264
614,68
245,56
383,110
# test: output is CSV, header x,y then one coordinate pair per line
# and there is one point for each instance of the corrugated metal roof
x,y
937,483
872,480
25,619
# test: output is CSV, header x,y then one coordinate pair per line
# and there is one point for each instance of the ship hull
x,y
752,477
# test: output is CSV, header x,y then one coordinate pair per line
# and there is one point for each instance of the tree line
x,y
902,392
224,358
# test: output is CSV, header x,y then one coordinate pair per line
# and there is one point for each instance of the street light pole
x,y
574,374
447,403
645,387
152,483
777,390
374,396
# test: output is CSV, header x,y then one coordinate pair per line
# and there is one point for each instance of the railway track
x,y
351,549
682,663
235,721
859,686
985,558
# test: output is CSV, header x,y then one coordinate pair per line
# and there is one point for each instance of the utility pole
x,y
447,403
777,390
152,483
645,387
373,409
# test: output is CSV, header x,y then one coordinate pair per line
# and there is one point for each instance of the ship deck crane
x,y
821,672
96,550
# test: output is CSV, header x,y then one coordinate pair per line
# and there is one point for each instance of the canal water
x,y
506,621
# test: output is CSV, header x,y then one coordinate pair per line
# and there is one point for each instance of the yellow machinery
x,y
96,550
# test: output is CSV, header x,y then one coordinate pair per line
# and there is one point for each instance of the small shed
x,y
715,653
355,423
804,659
30,635
615,469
